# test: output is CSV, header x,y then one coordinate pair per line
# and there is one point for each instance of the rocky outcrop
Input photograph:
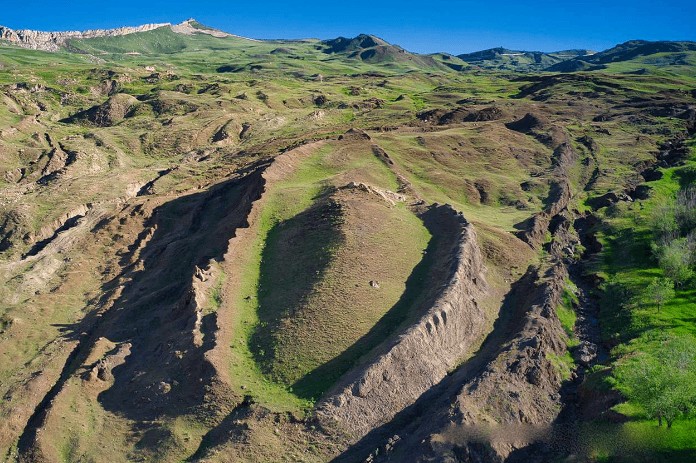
x,y
53,41
459,115
191,26
50,232
528,124
102,369
388,196
534,230
230,133
109,113
13,225
523,380
199,300
404,368
509,400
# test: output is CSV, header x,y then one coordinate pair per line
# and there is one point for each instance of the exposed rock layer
x,y
53,41
406,367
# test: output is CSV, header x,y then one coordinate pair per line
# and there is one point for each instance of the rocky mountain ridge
x,y
54,41
371,49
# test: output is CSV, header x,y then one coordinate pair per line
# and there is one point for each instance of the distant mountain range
x,y
520,60
371,49
665,53
368,49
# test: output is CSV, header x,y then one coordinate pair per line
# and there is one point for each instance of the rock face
x,y
191,26
535,229
386,195
53,41
459,115
523,382
102,369
488,411
406,367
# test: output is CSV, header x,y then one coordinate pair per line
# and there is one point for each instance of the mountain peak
x,y
360,42
192,26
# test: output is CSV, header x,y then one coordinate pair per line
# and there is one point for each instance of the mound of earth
x,y
459,115
109,113
529,123
332,281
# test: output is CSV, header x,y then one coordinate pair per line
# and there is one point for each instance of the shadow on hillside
x,y
435,403
422,287
296,255
416,294
166,372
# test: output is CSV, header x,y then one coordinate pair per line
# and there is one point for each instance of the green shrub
x,y
659,291
663,381
675,259
686,210
663,220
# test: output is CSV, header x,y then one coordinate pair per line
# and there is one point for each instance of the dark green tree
x,y
663,380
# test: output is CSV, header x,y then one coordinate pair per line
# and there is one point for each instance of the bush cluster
x,y
674,228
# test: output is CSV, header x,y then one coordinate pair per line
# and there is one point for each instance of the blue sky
x,y
423,26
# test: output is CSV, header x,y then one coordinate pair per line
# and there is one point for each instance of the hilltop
x,y
635,51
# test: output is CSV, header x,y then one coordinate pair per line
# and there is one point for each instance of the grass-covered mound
x,y
328,276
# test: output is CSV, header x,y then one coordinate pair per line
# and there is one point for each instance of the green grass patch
x,y
638,441
304,185
631,267
564,364
629,320
439,172
566,312
279,367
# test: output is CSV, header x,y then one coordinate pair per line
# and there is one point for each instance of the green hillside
x,y
502,59
223,249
